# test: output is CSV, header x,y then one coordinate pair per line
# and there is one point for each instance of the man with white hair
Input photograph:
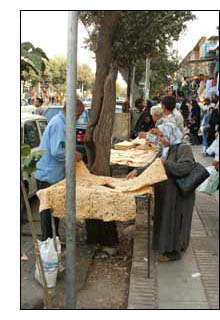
x,y
51,166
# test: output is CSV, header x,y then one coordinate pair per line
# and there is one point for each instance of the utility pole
x,y
147,80
132,88
70,294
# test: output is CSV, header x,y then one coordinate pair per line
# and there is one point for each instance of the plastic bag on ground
x,y
50,260
210,185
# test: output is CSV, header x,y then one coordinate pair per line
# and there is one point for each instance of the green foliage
x,y
138,33
32,59
162,72
56,72
120,91
85,76
29,159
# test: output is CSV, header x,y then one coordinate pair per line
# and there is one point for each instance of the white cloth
x,y
214,149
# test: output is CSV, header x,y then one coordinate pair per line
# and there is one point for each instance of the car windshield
x,y
83,119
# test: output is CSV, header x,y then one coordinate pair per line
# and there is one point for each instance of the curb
x,y
143,291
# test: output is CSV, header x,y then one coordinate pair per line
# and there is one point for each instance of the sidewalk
x,y
192,282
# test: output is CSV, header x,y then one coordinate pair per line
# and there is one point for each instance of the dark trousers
x,y
45,217
100,232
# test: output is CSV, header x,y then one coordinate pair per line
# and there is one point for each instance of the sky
x,y
48,30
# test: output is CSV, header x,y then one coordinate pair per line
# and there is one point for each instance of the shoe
x,y
170,256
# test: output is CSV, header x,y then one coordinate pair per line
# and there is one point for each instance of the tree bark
x,y
98,134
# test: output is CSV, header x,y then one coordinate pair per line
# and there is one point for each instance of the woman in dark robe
x,y
145,121
184,109
195,120
173,212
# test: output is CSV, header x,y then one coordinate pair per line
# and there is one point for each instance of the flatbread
x,y
103,198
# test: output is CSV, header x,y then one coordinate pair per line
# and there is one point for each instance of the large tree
x,y
32,60
120,39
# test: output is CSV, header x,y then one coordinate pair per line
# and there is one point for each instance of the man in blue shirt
x,y
51,166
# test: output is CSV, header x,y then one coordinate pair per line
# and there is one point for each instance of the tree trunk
x,y
125,74
98,134
104,128
99,130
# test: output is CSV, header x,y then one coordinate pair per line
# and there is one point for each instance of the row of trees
x,y
36,67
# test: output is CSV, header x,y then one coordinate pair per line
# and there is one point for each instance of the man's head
x,y
207,102
168,104
156,112
38,102
79,108
211,110
139,104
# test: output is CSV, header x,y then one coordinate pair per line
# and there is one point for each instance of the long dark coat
x,y
173,213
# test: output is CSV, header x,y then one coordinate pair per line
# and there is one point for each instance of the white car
x,y
28,109
32,129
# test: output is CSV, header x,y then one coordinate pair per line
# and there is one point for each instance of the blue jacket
x,y
52,164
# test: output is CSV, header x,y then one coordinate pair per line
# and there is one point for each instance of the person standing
x,y
195,121
173,212
214,124
205,128
170,113
135,113
145,121
184,109
38,102
51,166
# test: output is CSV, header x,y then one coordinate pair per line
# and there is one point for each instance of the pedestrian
x,y
205,130
38,102
184,109
173,212
195,121
135,113
126,106
169,110
51,166
214,124
145,121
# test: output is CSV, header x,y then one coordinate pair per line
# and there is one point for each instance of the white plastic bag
x,y
210,185
50,260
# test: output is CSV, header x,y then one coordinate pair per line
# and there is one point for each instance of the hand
x,y
155,131
163,161
142,135
132,174
79,157
164,141
216,165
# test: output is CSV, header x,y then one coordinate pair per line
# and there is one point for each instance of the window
x,y
31,134
42,126
83,119
51,112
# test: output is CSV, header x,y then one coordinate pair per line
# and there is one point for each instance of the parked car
x,y
50,111
32,129
28,109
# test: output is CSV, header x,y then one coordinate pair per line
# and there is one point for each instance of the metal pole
x,y
132,88
70,294
147,79
149,235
